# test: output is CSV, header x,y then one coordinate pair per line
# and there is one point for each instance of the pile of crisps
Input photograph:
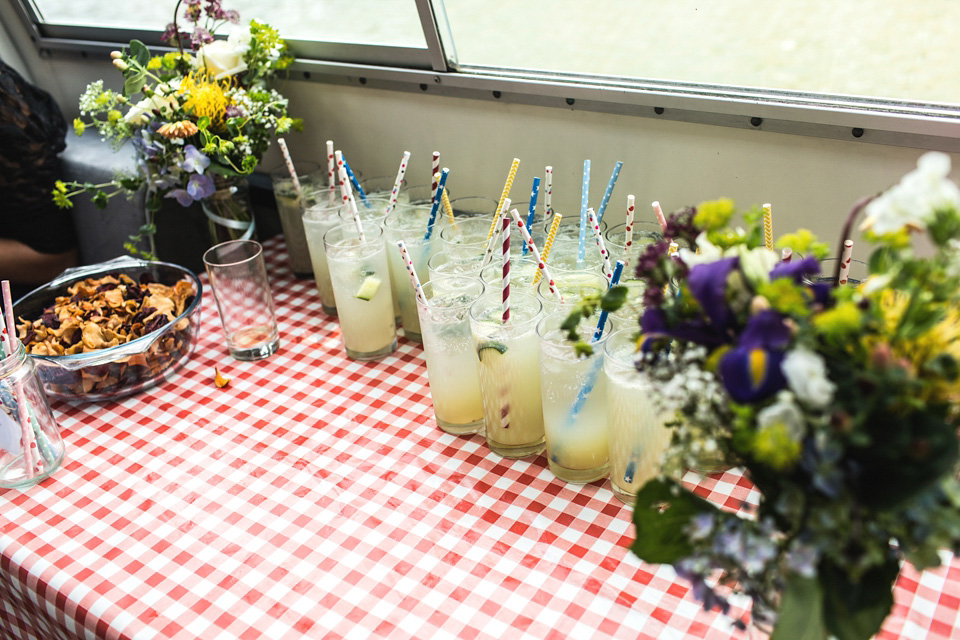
x,y
102,313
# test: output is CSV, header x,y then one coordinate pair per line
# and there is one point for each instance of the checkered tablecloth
x,y
316,497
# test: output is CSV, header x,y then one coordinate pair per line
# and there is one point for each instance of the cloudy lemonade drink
x,y
573,392
361,286
320,214
452,364
509,373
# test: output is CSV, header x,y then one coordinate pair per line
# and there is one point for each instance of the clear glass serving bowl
x,y
127,368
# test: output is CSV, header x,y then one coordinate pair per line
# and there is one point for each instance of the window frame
x,y
436,71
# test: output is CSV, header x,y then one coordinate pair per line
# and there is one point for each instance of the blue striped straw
x,y
606,194
584,193
532,211
436,203
591,382
354,182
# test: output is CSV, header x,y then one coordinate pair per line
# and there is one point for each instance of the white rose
x,y
163,98
806,375
913,201
224,58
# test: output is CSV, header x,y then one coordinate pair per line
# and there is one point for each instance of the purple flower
x,y
708,284
233,16
198,188
751,371
200,37
195,161
233,111
796,269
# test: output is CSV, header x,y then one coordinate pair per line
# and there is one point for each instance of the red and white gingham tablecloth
x,y
315,497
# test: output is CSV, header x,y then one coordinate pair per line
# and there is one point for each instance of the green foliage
x,y
661,513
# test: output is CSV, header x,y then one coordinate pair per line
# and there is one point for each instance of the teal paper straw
x,y
606,194
436,204
532,211
584,194
594,372
354,182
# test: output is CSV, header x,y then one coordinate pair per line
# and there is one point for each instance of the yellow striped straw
x,y
503,196
768,226
448,209
554,226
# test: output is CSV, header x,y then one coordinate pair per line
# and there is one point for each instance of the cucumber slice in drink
x,y
496,346
368,289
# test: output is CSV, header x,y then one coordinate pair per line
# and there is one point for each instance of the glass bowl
x,y
128,368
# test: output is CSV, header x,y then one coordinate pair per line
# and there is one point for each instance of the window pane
x,y
900,49
378,22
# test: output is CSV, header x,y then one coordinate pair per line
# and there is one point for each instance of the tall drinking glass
x,y
573,287
509,373
574,401
361,287
382,187
320,214
452,365
442,263
408,223
638,436
643,234
311,178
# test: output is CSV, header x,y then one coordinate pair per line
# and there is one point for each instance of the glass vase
x,y
229,210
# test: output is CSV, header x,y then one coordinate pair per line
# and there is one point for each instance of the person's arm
x,y
22,265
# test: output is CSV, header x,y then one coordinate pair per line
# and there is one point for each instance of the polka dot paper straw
x,y
331,170
661,219
536,254
411,271
548,192
786,255
441,183
532,210
595,226
289,162
628,228
348,200
396,183
551,236
845,259
584,196
606,194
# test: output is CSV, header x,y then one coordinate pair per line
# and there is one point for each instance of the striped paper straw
x,y
348,200
354,181
592,221
435,207
845,260
661,219
532,210
26,433
548,192
768,226
331,170
505,277
289,162
396,183
551,236
609,190
434,170
786,255
584,195
492,239
504,196
536,254
412,272
628,228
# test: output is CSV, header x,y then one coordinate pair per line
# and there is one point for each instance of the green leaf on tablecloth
x,y
856,610
661,513
800,615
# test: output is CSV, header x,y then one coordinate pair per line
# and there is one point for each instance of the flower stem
x,y
176,29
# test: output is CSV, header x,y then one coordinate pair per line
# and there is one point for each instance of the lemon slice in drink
x,y
368,289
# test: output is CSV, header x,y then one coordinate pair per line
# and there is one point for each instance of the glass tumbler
x,y
288,199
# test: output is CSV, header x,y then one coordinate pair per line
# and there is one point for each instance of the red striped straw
x,y
492,240
289,162
607,269
660,217
548,192
412,272
396,184
536,254
628,227
347,192
331,170
786,255
26,435
505,279
845,260
435,169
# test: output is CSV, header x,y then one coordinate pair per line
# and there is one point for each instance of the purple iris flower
x,y
797,270
195,161
751,371
654,323
708,285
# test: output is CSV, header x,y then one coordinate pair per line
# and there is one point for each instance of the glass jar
x,y
30,445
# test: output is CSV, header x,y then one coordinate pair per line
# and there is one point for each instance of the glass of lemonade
x,y
509,372
452,366
467,239
288,207
319,211
522,272
382,187
638,436
615,240
573,392
441,263
570,227
361,287
408,223
573,286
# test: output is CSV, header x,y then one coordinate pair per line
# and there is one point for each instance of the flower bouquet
x,y
202,122
838,402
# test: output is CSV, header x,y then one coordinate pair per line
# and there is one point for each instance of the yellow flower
x,y
154,63
714,214
78,126
205,97
114,116
843,319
